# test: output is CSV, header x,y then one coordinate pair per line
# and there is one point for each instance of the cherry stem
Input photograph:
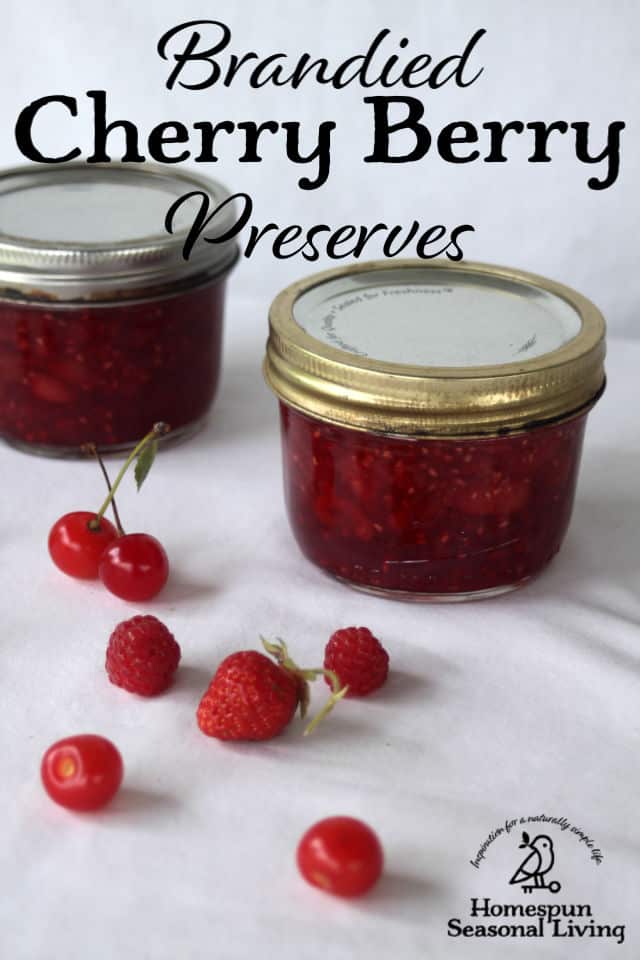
x,y
91,449
158,430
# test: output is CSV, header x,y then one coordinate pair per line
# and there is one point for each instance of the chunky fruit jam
x,y
427,517
105,372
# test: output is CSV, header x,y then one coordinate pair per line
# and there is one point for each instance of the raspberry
x,y
142,656
359,660
249,698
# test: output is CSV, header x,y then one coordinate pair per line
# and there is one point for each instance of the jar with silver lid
x,y
105,328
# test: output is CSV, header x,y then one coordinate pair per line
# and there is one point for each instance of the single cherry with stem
x,y
78,539
134,567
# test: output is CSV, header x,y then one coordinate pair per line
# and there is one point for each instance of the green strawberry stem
x,y
158,430
279,651
329,705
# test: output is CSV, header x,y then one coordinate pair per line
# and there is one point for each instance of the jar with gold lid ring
x,y
432,422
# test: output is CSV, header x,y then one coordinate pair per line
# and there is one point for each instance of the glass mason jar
x,y
105,328
432,422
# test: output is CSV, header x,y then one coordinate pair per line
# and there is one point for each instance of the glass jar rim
x,y
347,387
87,259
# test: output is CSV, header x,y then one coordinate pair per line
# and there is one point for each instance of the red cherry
x,y
75,548
82,772
341,855
134,567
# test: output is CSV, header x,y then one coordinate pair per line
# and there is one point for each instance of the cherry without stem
x,y
134,567
83,772
341,855
75,547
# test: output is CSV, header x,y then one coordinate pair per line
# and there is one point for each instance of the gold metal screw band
x,y
392,398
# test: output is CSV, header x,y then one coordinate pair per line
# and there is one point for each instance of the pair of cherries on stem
x,y
133,566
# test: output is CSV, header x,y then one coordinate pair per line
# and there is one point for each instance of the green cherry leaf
x,y
144,462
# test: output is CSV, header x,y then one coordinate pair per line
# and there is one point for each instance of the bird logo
x,y
533,870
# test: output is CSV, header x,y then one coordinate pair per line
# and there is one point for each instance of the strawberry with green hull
x,y
251,697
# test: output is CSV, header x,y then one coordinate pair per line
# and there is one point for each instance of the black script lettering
x,y
448,136
203,218
23,132
610,153
322,152
542,131
101,130
161,135
383,128
460,61
497,132
190,53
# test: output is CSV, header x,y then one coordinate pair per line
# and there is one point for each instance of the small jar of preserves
x,y
432,422
105,328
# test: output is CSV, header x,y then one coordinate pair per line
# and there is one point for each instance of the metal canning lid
x,y
78,231
433,348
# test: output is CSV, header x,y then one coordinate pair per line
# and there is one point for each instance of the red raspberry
x,y
142,656
249,698
359,660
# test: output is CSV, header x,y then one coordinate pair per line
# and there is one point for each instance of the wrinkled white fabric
x,y
514,707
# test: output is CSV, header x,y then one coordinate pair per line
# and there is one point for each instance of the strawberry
x,y
249,698
252,698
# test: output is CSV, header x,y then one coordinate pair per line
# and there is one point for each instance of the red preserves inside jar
x,y
429,517
106,326
104,373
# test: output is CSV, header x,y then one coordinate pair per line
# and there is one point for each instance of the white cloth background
x,y
523,705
